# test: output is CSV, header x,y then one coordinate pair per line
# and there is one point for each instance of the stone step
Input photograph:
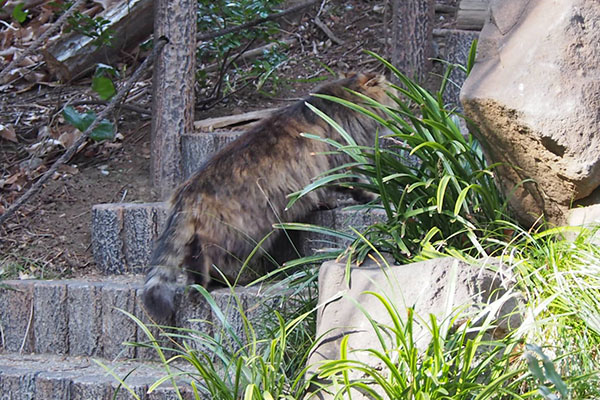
x,y
82,318
123,233
52,377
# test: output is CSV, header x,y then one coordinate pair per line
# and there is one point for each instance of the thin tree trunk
x,y
412,35
173,90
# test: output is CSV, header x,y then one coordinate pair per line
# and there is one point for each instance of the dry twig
x,y
37,186
328,31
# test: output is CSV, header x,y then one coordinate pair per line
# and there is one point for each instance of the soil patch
x,y
50,236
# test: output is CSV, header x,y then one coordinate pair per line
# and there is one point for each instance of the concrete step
x,y
51,377
198,147
123,234
453,45
81,318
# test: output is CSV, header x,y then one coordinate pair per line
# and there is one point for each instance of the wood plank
x,y
472,14
238,121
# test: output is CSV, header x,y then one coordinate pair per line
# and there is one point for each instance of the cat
x,y
219,214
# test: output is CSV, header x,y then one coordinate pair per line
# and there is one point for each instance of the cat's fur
x,y
219,214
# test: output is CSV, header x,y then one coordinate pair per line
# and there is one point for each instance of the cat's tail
x,y
161,282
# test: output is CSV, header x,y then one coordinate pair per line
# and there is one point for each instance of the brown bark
x,y
412,35
173,90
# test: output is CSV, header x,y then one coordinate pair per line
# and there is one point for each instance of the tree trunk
x,y
173,90
412,36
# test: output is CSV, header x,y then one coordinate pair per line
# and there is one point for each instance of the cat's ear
x,y
371,79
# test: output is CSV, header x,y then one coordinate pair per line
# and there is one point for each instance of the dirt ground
x,y
50,236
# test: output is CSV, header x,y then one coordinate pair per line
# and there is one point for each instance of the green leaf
x,y
441,191
104,69
87,119
534,367
104,131
73,117
471,57
461,198
104,87
19,14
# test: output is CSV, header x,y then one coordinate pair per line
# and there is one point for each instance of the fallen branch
x,y
37,186
130,107
328,31
211,35
50,31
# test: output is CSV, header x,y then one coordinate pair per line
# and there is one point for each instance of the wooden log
x,y
472,14
412,36
131,22
173,90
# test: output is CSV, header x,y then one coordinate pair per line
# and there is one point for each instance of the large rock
x,y
441,287
535,94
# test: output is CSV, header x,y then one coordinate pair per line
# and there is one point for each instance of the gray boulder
x,y
534,92
439,287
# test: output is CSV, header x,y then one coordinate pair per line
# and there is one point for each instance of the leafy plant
x,y
546,373
104,131
560,278
221,14
92,27
215,15
253,364
458,363
265,69
436,189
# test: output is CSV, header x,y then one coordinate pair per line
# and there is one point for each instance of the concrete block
x,y
16,315
138,385
17,383
168,393
345,220
53,385
255,303
454,46
194,317
311,242
126,234
107,242
84,308
123,235
435,287
90,387
339,219
198,147
50,318
158,329
117,327
49,377
140,229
